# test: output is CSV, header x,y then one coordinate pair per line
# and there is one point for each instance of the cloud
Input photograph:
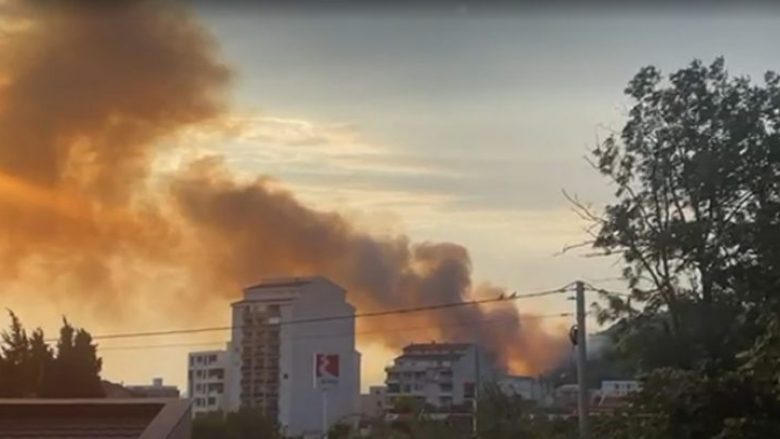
x,y
97,98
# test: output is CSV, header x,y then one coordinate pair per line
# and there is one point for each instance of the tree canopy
x,y
696,221
29,368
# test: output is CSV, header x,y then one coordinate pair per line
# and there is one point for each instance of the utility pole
x,y
477,383
324,413
582,357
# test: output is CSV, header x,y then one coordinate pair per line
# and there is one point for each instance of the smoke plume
x,y
89,98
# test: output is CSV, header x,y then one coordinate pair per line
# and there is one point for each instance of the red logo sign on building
x,y
326,369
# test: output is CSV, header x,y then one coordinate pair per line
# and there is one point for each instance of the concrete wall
x,y
374,403
321,299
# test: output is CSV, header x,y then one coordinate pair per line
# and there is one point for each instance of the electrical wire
x,y
589,287
393,330
501,298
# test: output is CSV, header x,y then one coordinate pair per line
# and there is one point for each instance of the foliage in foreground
x,y
29,368
244,424
696,220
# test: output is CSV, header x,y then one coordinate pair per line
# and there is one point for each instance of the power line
x,y
376,331
590,287
157,346
501,298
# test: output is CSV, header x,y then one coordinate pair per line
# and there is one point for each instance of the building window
x,y
468,390
212,401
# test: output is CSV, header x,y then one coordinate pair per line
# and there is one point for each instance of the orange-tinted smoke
x,y
246,230
89,99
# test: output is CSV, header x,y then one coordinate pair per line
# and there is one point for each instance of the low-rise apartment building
x,y
207,381
442,375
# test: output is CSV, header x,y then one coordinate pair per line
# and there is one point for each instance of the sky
x,y
456,126
475,124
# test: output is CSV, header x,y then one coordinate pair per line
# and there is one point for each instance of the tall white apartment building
x,y
278,328
207,381
440,374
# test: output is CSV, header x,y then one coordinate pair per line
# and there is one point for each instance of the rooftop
x,y
283,282
92,418
435,347
422,356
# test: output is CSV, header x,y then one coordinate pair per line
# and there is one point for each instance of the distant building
x,y
443,375
207,381
278,328
612,395
95,418
156,390
526,387
374,403
114,390
619,388
566,395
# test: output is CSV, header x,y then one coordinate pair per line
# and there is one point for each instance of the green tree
x,y
501,415
209,426
30,368
696,219
40,363
696,212
76,368
247,423
16,353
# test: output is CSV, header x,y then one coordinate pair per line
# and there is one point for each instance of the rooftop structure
x,y
156,390
95,418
